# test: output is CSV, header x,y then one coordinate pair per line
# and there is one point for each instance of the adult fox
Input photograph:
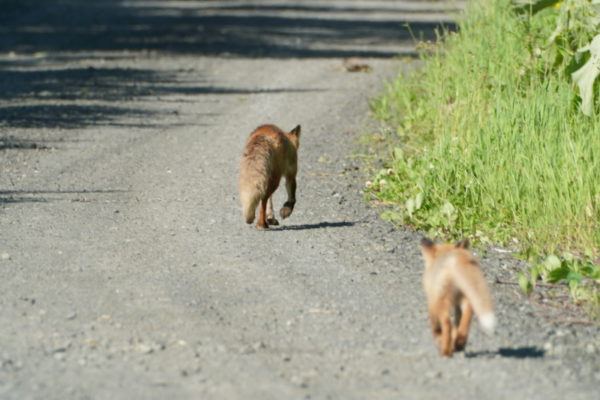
x,y
269,155
453,280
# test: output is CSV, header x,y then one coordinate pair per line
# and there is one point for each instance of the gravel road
x,y
126,269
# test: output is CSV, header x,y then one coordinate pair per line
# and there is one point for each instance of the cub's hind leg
x,y
441,326
462,332
446,344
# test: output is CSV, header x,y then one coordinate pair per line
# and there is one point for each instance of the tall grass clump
x,y
488,141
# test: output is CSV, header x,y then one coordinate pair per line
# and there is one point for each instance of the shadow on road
x,y
44,196
320,225
110,84
216,28
519,352
44,43
97,84
66,116
13,142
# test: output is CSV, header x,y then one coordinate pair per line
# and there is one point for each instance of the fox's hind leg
x,y
263,222
288,206
262,215
442,326
436,328
271,220
462,332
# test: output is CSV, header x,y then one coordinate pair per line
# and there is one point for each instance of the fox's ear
x,y
296,131
463,244
426,243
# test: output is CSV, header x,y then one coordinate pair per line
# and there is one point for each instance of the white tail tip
x,y
487,322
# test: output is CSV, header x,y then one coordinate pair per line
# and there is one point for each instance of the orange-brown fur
x,y
453,281
269,155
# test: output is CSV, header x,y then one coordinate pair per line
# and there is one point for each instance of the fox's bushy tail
x,y
253,185
249,199
473,285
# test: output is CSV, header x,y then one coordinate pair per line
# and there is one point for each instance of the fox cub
x,y
269,154
453,281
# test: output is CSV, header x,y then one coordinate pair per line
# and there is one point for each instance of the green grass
x,y
487,142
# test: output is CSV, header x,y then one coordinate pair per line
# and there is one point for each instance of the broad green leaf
x,y
552,262
588,271
585,76
558,274
574,276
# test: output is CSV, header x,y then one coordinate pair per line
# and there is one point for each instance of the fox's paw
x,y
285,212
460,343
287,209
272,221
446,353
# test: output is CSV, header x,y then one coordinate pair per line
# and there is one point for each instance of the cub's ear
x,y
426,243
296,131
464,244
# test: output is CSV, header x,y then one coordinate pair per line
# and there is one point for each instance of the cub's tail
x,y
471,282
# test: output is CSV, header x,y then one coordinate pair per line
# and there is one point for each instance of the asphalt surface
x,y
126,269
